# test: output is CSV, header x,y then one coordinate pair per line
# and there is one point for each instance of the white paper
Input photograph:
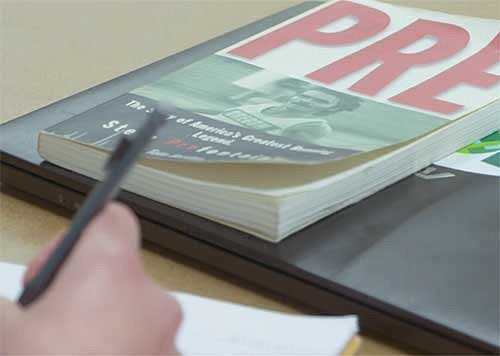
x,y
11,276
221,328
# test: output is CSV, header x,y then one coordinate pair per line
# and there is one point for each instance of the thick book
x,y
294,123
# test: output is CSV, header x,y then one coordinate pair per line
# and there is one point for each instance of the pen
x,y
118,165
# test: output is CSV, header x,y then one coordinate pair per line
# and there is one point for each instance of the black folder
x,y
418,261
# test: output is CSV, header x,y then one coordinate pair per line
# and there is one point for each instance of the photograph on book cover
x,y
236,93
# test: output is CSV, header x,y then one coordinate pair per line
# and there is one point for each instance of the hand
x,y
101,302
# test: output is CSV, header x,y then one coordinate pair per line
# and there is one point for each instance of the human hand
x,y
100,303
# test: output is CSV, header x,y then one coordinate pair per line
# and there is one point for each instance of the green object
x,y
487,144
493,160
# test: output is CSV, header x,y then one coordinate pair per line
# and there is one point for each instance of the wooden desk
x,y
55,49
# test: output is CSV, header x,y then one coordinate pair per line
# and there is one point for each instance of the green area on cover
x,y
493,160
237,93
487,144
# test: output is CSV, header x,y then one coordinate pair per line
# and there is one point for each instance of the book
x,y
222,328
284,128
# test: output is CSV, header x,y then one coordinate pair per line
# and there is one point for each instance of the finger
x,y
115,222
107,250
113,234
111,238
39,260
175,317
163,315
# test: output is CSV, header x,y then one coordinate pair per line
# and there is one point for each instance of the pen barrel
x,y
92,206
121,162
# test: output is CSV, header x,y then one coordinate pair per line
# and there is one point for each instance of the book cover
x,y
344,78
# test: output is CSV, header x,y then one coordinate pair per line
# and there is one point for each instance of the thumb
x,y
114,217
36,263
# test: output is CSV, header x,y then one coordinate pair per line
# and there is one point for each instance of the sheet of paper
x,y
224,327
11,276
218,328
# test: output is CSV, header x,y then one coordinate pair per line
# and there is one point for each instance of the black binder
x,y
418,261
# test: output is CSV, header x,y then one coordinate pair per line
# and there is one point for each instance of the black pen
x,y
117,167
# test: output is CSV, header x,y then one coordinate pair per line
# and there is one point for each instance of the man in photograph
x,y
305,116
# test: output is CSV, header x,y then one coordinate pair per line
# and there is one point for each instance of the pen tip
x,y
162,110
165,108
